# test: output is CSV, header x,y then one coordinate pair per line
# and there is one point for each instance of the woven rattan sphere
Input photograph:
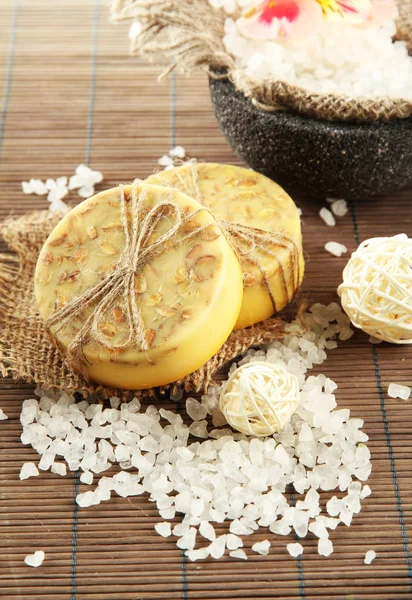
x,y
376,292
259,398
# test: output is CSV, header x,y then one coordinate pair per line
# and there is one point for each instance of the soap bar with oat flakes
x,y
132,296
272,268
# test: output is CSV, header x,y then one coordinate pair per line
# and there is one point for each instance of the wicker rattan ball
x,y
259,398
376,292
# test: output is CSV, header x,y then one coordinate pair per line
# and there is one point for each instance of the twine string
x,y
139,225
245,240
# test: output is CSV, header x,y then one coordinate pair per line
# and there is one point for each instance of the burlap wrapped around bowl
x,y
188,34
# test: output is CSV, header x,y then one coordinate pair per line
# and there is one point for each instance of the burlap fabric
x,y
26,351
188,34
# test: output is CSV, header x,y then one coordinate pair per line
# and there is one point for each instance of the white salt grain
x,y
233,542
177,152
59,469
84,181
335,248
369,557
207,531
295,549
325,547
217,547
241,554
339,208
3,416
327,217
36,559
199,554
164,529
195,410
87,477
396,390
28,469
165,161
261,547
366,491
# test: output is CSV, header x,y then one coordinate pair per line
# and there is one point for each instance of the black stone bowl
x,y
333,159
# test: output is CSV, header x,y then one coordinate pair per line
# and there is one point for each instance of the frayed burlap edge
x,y
188,34
26,351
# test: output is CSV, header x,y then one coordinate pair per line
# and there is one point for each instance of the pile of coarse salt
x,y
224,476
83,181
339,59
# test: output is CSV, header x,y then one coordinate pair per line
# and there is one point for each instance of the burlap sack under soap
x,y
26,351
188,34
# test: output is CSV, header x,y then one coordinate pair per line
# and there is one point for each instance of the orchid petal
x,y
353,12
285,19
384,10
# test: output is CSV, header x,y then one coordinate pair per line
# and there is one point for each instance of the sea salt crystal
x,y
396,390
217,547
233,542
177,152
84,181
188,540
369,557
28,469
87,499
207,530
325,547
335,248
334,506
261,547
366,491
3,416
195,410
339,208
295,549
238,528
36,559
164,529
327,217
199,554
59,469
86,477
241,554
199,429
34,186
165,161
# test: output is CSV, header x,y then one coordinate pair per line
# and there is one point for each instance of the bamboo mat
x,y
71,94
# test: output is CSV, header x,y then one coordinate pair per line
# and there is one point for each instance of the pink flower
x,y
271,19
384,10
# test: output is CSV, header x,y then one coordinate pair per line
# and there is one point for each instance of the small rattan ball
x,y
376,292
259,398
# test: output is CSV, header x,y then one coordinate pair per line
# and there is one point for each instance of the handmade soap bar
x,y
138,286
262,223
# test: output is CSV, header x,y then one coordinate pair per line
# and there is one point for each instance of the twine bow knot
x,y
139,226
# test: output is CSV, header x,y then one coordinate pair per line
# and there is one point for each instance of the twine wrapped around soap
x,y
188,34
245,239
139,224
26,353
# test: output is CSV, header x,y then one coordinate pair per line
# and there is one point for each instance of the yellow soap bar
x,y
272,269
138,286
